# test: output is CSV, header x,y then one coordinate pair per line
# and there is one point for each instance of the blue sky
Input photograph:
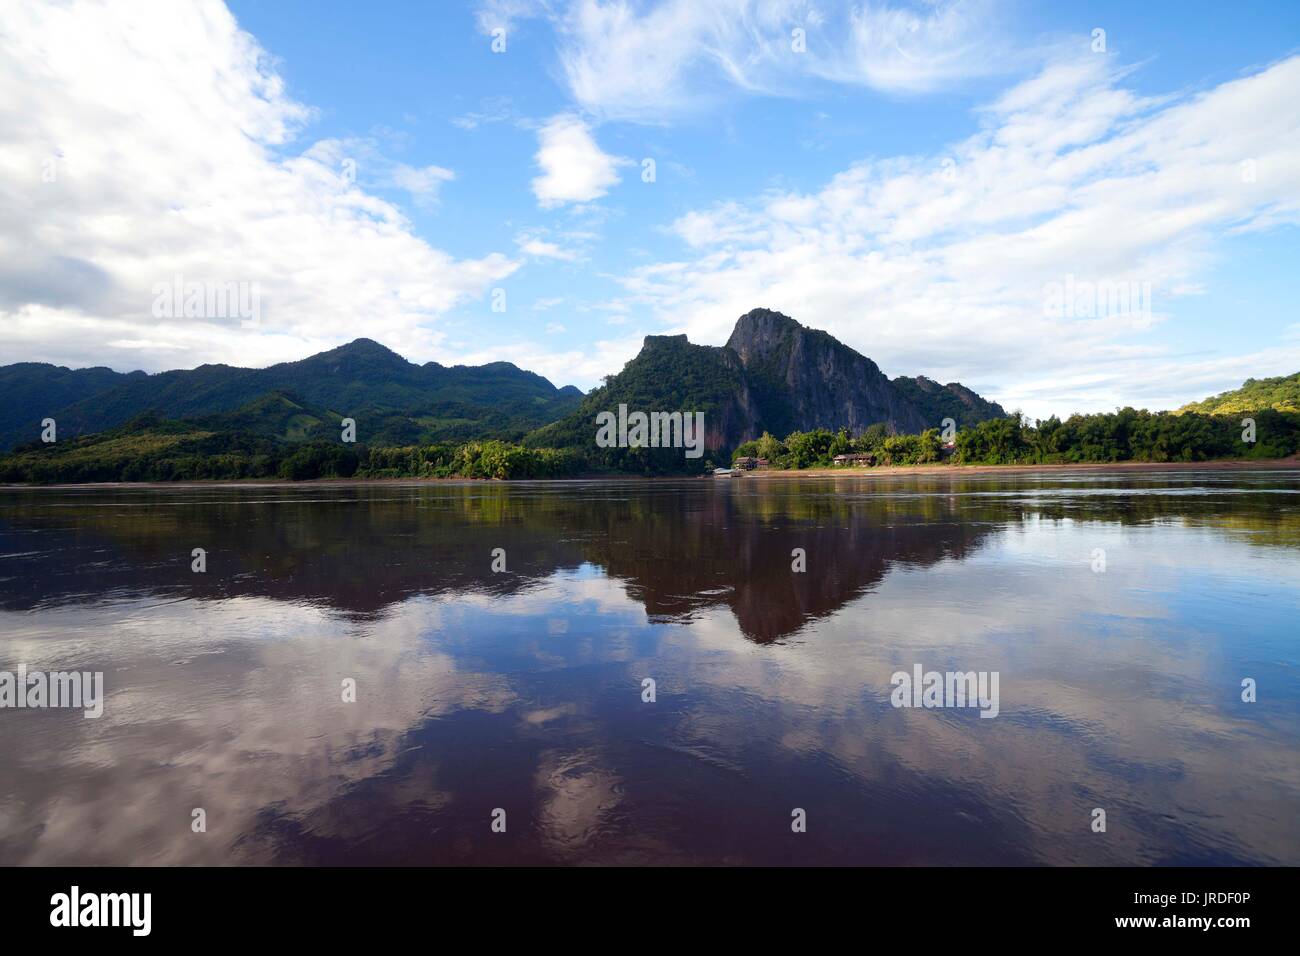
x,y
913,180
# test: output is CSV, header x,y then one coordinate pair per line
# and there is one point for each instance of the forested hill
x,y
401,400
773,375
776,390
954,400
1281,393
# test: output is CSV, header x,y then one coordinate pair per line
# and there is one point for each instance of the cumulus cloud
x,y
947,264
588,364
537,248
144,141
574,169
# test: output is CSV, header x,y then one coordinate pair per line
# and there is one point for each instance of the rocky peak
x,y
760,333
661,341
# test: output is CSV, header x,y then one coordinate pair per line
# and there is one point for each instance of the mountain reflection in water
x,y
523,690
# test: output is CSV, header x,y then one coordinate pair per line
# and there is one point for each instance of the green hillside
x,y
937,402
32,391
277,416
1281,393
498,421
400,401
147,448
669,373
273,436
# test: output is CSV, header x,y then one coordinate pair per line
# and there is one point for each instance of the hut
x,y
854,461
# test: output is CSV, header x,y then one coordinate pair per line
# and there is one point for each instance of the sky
x,y
1065,207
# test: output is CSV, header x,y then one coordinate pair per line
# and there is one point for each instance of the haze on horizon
x,y
920,180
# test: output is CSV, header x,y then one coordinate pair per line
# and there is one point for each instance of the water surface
x,y
522,690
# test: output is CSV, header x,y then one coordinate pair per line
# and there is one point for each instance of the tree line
x,y
1127,434
166,452
144,458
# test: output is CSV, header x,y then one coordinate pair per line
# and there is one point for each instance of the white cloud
x,y
574,169
502,14
574,366
149,344
915,49
160,125
362,162
542,249
647,62
495,109
422,182
941,264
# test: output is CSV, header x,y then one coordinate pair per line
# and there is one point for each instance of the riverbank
x,y
882,471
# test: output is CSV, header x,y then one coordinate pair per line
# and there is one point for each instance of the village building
x,y
854,461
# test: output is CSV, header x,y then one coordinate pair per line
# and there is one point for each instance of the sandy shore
x,y
888,471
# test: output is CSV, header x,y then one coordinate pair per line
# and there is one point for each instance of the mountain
x,y
805,378
1281,393
936,402
134,451
30,391
278,416
773,375
393,400
668,374
250,442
